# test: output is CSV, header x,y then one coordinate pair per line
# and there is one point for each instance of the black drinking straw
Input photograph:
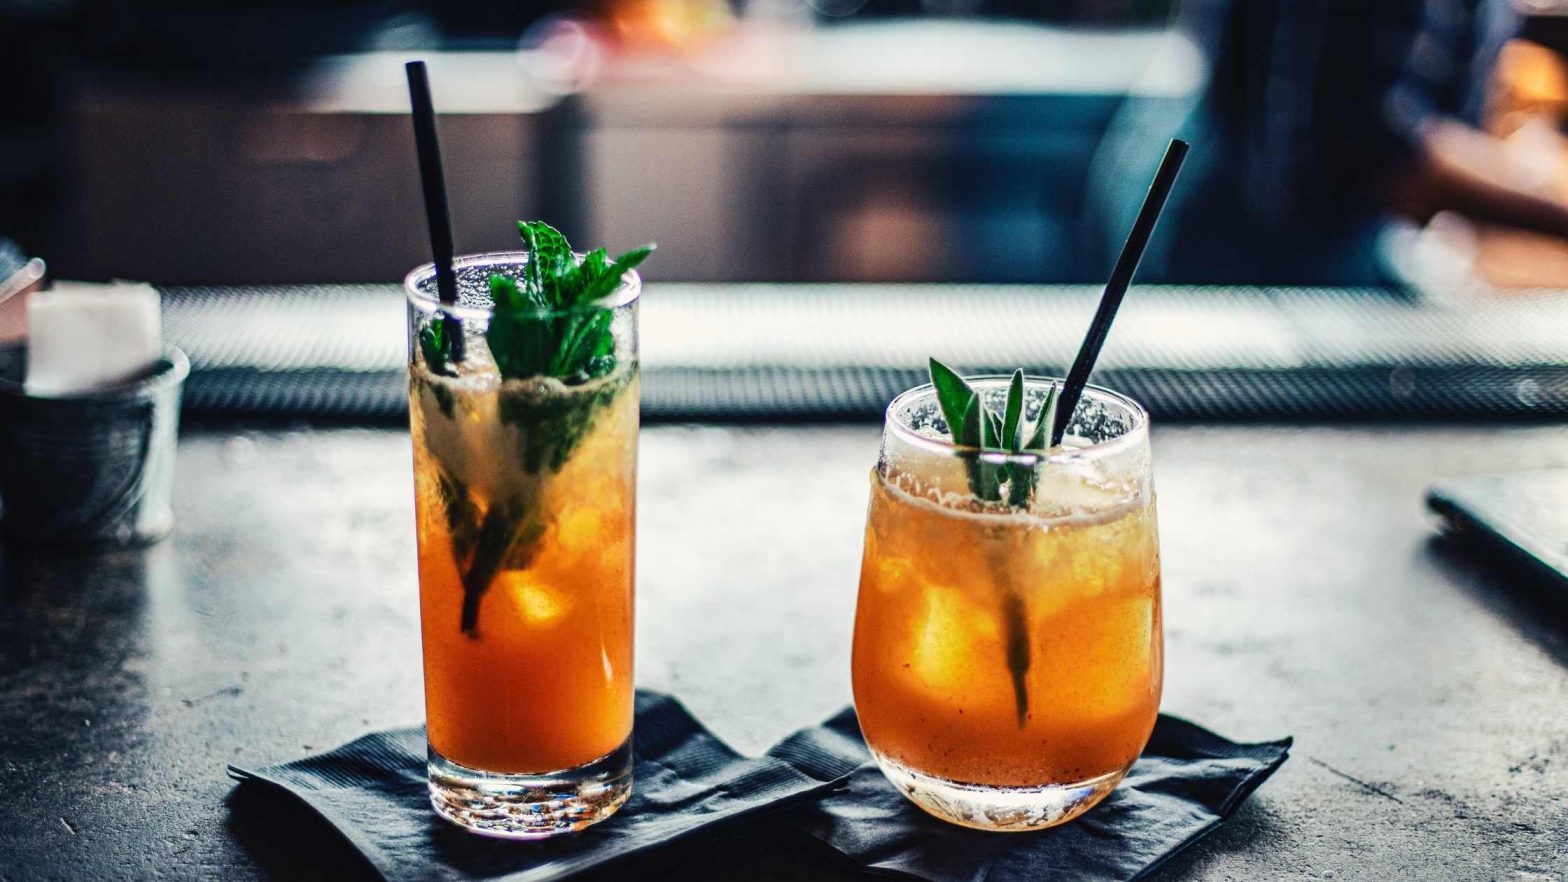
x,y
434,182
1121,277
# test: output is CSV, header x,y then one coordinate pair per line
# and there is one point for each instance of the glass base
x,y
997,808
510,806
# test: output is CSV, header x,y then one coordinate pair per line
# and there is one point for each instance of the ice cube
x,y
539,605
958,652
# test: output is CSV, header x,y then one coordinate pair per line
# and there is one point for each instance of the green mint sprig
x,y
973,424
543,323
538,326
435,342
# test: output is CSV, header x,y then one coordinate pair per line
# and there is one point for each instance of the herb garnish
x,y
543,323
973,424
437,343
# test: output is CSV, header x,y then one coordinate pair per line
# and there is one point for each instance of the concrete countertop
x,y
1304,595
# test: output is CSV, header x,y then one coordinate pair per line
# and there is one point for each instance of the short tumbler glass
x,y
1008,650
524,501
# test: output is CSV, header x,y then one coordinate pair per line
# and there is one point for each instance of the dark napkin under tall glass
x,y
373,792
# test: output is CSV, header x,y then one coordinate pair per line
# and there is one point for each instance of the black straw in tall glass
x,y
434,183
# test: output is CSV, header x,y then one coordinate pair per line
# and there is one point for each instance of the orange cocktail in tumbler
x,y
1007,659
525,454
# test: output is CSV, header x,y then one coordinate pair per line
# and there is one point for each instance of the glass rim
x,y
1121,443
626,292
173,368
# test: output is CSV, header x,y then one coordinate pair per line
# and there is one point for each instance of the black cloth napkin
x,y
372,791
688,784
1186,782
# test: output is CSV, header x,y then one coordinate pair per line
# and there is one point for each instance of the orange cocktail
x,y
1007,660
543,679
525,459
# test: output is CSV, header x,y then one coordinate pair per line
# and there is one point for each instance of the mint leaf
x,y
543,323
587,337
591,273
549,257
504,293
435,344
521,344
623,265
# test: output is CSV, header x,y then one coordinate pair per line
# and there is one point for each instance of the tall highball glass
x,y
524,501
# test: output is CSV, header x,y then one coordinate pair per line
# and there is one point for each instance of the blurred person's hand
x,y
1521,181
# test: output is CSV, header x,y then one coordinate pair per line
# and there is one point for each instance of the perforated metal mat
x,y
746,352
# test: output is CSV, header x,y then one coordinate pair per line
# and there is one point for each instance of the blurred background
x,y
1406,143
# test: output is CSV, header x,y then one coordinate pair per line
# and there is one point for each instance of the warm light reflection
x,y
677,24
1531,80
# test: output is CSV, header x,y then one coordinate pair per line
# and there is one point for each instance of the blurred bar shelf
x,y
905,151
812,352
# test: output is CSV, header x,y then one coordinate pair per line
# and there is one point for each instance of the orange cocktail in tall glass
x,y
1007,659
525,503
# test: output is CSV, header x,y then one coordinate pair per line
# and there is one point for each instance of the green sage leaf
x,y
1041,438
1012,416
954,397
